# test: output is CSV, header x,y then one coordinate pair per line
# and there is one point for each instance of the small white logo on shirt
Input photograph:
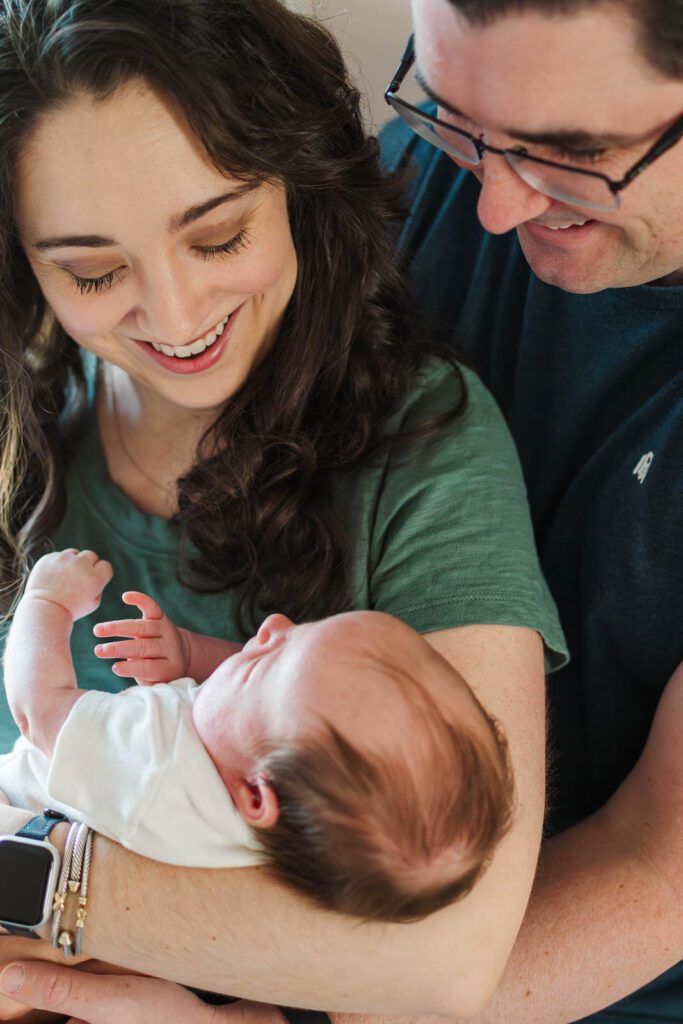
x,y
643,466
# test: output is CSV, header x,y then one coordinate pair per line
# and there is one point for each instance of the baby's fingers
x,y
148,628
143,670
149,608
130,649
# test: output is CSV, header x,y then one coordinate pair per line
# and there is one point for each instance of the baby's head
x,y
377,783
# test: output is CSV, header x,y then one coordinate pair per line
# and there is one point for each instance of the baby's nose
x,y
275,623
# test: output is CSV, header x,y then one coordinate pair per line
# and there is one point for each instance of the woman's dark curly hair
x,y
267,95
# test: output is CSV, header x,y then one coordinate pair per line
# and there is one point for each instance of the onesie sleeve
x,y
133,767
452,542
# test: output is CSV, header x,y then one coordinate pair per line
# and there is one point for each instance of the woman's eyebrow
x,y
570,138
176,223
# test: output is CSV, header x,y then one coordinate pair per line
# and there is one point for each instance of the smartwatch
x,y
29,868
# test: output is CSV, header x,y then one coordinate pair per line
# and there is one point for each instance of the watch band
x,y
38,827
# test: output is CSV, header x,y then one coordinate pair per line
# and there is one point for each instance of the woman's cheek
x,y
83,317
268,271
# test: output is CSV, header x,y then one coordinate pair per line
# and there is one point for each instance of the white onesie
x,y
133,767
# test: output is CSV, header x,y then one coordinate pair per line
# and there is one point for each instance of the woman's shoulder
x,y
443,532
442,385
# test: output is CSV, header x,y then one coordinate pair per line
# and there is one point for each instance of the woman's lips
x,y
194,364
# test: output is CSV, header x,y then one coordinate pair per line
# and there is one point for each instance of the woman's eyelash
x,y
86,285
235,245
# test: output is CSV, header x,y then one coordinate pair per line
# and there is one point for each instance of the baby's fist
x,y
72,579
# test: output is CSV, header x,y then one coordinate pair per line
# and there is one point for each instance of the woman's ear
x,y
256,801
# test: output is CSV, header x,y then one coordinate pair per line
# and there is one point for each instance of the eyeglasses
x,y
574,185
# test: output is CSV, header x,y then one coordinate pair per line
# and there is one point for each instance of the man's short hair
x,y
660,22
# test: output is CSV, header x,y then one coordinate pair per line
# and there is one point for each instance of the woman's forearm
x,y
240,932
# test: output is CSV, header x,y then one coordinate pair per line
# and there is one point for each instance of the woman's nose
x,y
174,307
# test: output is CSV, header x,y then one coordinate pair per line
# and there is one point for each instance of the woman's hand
x,y
155,650
88,998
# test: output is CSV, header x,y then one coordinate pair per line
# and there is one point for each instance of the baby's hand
x,y
72,579
155,651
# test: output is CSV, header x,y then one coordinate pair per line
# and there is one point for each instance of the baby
x,y
345,754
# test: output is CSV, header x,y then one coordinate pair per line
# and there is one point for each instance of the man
x,y
566,289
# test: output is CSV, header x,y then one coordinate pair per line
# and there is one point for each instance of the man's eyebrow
x,y
190,215
577,138
429,92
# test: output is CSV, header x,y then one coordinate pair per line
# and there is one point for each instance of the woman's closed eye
x,y
86,285
231,248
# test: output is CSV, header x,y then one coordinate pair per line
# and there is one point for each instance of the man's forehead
x,y
575,74
574,137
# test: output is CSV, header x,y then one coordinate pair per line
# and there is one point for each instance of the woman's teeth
x,y
185,351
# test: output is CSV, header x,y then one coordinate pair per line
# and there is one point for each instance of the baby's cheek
x,y
212,714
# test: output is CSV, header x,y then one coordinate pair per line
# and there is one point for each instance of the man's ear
x,y
256,801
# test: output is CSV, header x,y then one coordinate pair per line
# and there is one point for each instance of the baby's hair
x,y
370,834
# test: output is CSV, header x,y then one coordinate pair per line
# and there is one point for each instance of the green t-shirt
x,y
441,536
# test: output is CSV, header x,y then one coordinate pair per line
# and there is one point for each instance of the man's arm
x,y
240,931
606,912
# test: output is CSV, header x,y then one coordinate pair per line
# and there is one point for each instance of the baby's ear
x,y
256,801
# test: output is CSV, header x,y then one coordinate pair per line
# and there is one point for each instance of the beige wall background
x,y
372,34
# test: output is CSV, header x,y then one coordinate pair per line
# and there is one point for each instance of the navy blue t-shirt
x,y
592,389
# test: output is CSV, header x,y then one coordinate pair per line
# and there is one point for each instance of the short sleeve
x,y
135,769
452,542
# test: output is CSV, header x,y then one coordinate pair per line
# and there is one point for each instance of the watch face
x,y
25,869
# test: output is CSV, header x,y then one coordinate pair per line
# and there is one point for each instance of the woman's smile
x,y
199,355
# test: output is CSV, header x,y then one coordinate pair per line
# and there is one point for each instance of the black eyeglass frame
x,y
661,145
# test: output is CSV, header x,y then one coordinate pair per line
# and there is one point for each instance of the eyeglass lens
x,y
449,141
567,186
556,182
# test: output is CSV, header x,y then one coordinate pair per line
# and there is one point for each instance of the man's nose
x,y
506,201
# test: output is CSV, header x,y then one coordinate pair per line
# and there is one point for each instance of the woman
x,y
211,372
